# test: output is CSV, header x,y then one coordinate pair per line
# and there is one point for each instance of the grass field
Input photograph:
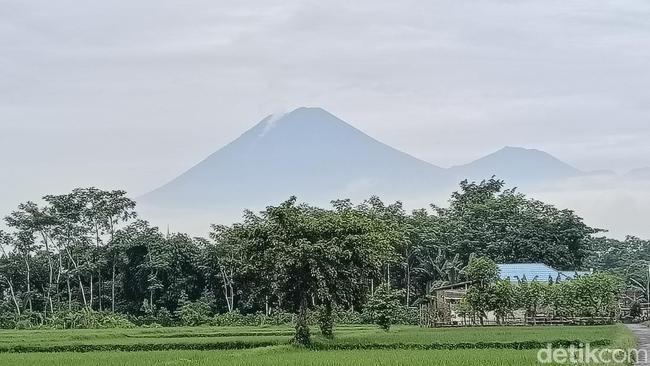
x,y
269,346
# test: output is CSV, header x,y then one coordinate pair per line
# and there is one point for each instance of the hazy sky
x,y
131,93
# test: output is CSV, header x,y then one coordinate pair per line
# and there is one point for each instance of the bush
x,y
384,306
88,319
235,318
349,317
326,320
194,313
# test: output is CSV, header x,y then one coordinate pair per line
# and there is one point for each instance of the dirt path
x,y
643,335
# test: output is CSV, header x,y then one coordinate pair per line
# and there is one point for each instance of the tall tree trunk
x,y
99,289
227,290
83,292
407,269
408,284
91,291
13,295
29,285
58,282
231,288
48,295
113,287
69,293
81,286
112,231
388,274
99,274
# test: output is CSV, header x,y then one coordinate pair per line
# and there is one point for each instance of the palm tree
x,y
435,269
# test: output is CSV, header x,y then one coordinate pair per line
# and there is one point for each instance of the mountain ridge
x,y
317,156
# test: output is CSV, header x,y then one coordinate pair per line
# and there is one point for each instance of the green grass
x,y
278,352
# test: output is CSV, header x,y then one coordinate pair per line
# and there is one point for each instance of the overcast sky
x,y
130,93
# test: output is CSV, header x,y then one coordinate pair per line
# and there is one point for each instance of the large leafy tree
x,y
484,219
316,255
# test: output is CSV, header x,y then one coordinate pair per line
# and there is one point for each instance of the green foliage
x,y
629,259
479,302
503,299
194,313
88,319
531,296
310,251
326,320
481,271
235,318
302,337
508,227
384,306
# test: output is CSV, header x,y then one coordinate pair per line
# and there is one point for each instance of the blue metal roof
x,y
538,272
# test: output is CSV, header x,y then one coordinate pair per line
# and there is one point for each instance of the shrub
x,y
383,306
326,320
194,313
88,319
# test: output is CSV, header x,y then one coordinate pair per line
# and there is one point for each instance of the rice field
x,y
243,346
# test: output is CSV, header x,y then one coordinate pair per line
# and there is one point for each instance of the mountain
x,y
318,157
517,166
309,153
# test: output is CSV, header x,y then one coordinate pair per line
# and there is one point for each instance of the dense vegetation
x,y
85,259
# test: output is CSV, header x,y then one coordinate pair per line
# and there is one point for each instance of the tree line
x,y
89,250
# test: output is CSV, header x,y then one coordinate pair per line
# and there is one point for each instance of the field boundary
x,y
288,333
83,348
525,345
